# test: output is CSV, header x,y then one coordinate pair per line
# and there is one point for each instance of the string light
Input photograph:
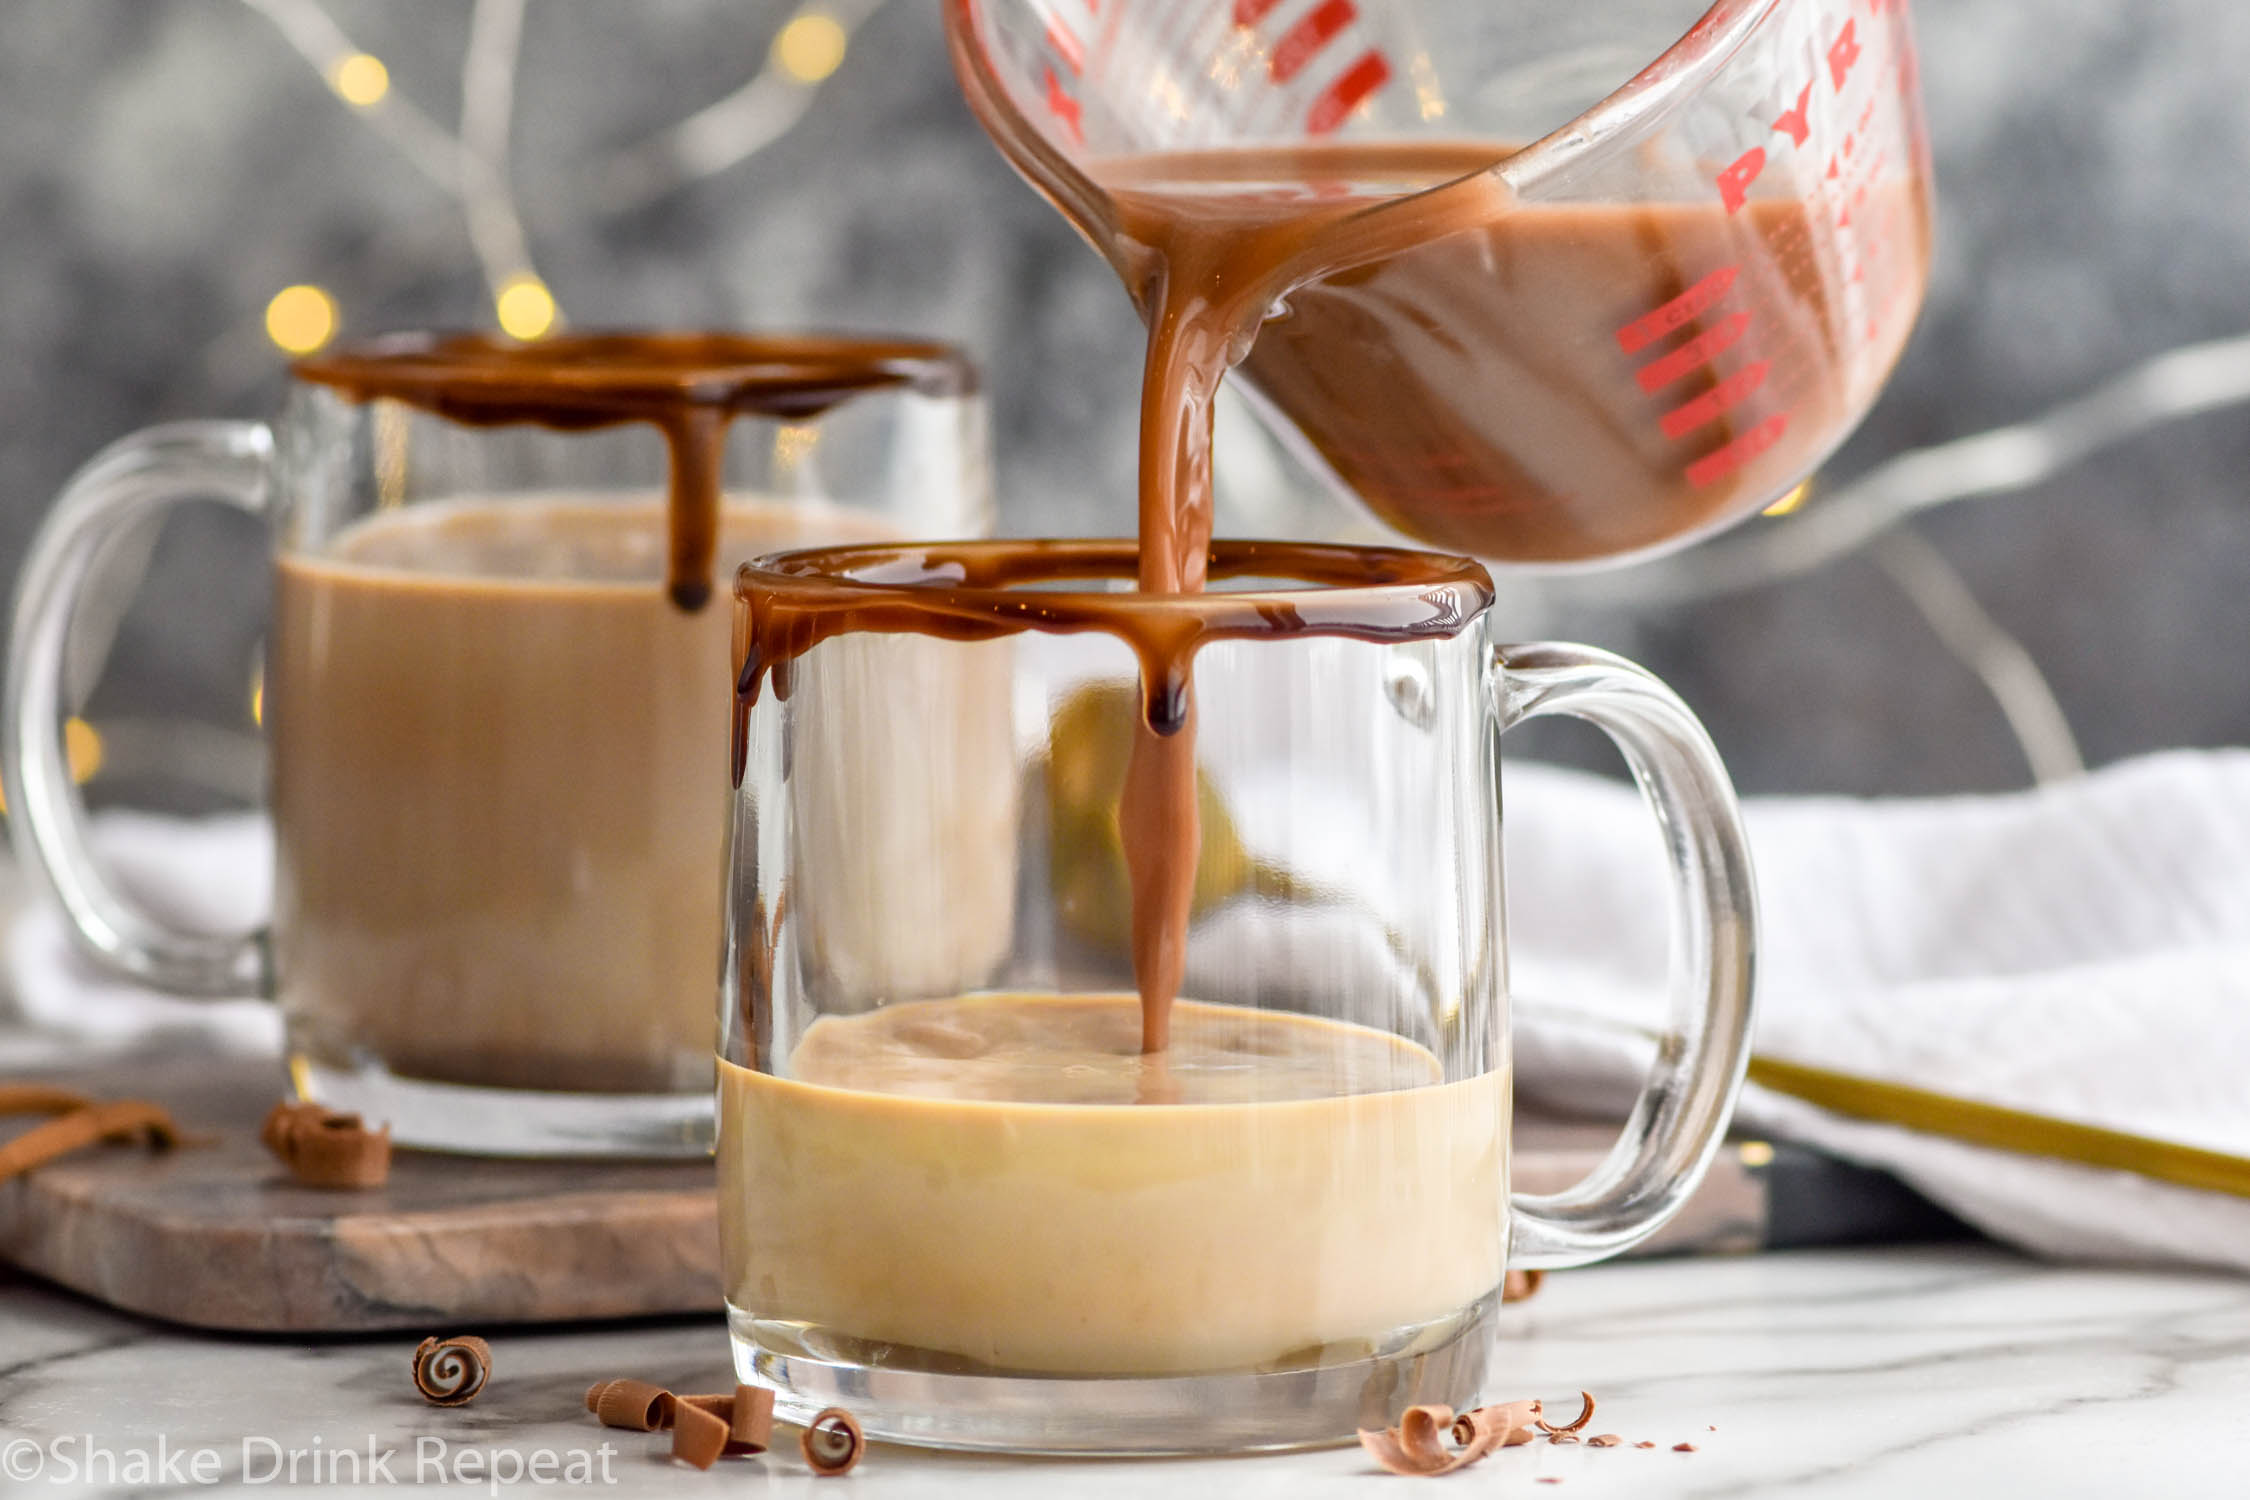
x,y
360,80
525,308
811,46
301,318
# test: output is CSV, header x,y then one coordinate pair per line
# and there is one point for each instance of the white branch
x,y
1999,660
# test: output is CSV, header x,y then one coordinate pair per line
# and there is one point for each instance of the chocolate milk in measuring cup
x,y
1522,290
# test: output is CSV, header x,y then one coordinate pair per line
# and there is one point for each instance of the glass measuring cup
x,y
1663,303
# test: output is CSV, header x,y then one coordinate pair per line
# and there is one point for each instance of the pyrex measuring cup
x,y
1692,276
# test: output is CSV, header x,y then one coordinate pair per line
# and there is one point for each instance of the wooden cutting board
x,y
217,1236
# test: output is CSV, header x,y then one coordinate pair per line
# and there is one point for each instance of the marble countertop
x,y
1961,1370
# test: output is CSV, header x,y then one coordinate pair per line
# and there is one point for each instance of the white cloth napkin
x,y
2080,951
207,875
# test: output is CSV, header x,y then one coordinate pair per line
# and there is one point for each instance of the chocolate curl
x,y
1585,1416
832,1443
698,1437
1518,1286
83,1125
748,1414
325,1149
633,1405
450,1372
40,1099
1417,1444
1515,1421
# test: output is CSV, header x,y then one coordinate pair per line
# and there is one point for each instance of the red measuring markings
x,y
1698,352
1679,312
1301,43
1730,392
1064,108
1713,467
1343,96
1694,354
1305,40
1066,45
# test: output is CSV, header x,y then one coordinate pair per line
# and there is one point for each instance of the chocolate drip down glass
x,y
959,1194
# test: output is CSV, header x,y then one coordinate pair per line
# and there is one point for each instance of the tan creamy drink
x,y
499,790
983,1178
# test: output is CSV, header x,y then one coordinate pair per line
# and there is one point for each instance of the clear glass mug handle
x,y
130,479
1684,1106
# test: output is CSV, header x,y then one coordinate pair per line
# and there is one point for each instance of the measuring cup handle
x,y
130,480
1684,1106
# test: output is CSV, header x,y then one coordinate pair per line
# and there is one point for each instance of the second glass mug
x,y
954,1194
497,748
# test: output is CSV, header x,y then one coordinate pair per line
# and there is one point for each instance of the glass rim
x,y
670,361
1676,71
967,574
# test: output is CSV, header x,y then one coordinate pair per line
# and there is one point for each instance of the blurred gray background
x,y
167,166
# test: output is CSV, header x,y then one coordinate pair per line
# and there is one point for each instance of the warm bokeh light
x,y
1790,501
360,79
82,743
1754,1154
301,318
82,747
525,307
793,444
810,47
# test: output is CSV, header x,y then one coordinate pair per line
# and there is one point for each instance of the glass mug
x,y
497,748
956,1196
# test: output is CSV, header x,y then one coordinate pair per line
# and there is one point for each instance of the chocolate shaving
x,y
748,1413
1562,1437
1604,1440
1683,1447
450,1372
78,1122
633,1405
832,1443
698,1436
1644,1445
1584,1416
1417,1444
1511,1421
1516,1286
40,1099
325,1149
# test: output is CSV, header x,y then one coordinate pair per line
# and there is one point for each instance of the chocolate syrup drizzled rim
x,y
617,369
967,577
789,602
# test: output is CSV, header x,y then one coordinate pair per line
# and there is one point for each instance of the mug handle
x,y
129,480
1683,1109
